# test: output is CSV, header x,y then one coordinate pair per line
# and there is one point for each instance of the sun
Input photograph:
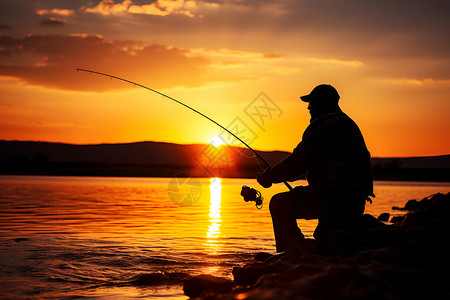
x,y
216,141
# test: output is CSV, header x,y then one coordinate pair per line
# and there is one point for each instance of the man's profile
x,y
333,157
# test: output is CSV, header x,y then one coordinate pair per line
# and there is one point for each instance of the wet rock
x,y
381,237
384,217
159,278
437,203
412,205
203,285
250,273
318,260
337,281
268,257
368,222
341,281
340,242
263,256
297,247
397,219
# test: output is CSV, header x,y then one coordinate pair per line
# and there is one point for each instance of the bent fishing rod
x,y
194,110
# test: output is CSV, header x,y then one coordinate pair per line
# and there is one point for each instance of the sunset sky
x,y
389,60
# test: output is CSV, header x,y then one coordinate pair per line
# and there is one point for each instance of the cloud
x,y
382,39
157,8
225,54
53,22
109,7
416,81
50,61
272,55
164,8
382,34
333,61
55,11
237,65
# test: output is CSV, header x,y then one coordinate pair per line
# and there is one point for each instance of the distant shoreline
x,y
157,159
379,179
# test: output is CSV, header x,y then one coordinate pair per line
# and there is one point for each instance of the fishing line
x,y
187,106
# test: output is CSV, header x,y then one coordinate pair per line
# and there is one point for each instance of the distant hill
x,y
427,168
157,159
132,159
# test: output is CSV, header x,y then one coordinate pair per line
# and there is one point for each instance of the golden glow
x,y
214,209
148,117
216,141
213,233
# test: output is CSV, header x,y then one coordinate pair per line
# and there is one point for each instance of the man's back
x,y
339,160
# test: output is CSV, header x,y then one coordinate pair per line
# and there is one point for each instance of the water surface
x,y
116,238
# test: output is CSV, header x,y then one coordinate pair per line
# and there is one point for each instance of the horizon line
x,y
191,144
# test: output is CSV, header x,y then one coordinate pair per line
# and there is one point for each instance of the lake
x,y
129,238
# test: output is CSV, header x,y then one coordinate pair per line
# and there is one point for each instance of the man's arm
x,y
293,167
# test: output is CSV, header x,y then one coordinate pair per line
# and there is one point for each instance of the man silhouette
x,y
336,163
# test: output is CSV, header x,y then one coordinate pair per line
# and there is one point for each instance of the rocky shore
x,y
407,258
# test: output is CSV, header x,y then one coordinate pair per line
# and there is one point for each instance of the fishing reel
x,y
250,194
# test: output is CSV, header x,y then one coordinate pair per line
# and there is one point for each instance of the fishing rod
x,y
258,194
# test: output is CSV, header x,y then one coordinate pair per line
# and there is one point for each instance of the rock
x,y
262,256
341,281
397,219
341,243
367,222
412,205
384,217
268,257
381,237
250,273
207,284
297,247
439,205
439,202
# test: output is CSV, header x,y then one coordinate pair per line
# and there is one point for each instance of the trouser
x,y
305,203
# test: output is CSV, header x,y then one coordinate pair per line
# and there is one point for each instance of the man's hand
x,y
263,178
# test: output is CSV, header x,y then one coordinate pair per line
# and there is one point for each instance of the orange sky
x,y
389,61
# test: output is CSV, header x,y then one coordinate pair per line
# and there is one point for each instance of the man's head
x,y
323,98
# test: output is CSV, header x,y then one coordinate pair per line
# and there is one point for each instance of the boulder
x,y
203,285
384,217
263,256
251,272
341,243
367,222
297,247
397,219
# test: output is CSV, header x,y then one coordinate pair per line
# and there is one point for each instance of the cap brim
x,y
305,98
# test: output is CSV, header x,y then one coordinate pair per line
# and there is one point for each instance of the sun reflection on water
x,y
215,220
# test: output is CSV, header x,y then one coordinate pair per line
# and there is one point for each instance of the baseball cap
x,y
324,92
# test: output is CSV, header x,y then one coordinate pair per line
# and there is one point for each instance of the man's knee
x,y
280,203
